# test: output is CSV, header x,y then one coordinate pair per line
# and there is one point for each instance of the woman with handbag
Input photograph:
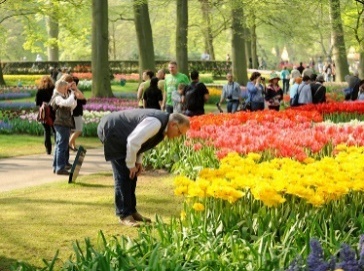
x,y
44,94
274,94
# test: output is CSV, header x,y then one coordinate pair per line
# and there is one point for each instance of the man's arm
x,y
206,95
140,91
222,95
145,130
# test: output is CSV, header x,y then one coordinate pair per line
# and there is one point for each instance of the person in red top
x,y
44,94
274,94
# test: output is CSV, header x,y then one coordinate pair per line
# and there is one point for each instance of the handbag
x,y
246,106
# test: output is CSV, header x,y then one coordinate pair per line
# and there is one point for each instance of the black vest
x,y
114,129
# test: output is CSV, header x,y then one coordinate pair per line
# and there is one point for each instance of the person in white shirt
x,y
205,56
231,92
63,102
126,135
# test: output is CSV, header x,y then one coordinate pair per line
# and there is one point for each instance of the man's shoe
x,y
63,172
129,221
68,167
139,217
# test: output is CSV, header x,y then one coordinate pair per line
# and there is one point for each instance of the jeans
x,y
285,85
125,200
47,137
232,106
61,153
169,108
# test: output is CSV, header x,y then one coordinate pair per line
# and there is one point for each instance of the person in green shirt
x,y
171,83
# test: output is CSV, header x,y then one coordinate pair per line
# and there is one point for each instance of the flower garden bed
x,y
261,191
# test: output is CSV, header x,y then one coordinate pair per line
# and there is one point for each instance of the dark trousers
x,y
47,137
194,113
255,106
125,200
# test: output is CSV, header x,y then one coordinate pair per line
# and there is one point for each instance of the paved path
x,y
26,171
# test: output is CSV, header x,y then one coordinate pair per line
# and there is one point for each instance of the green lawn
x,y
17,145
38,221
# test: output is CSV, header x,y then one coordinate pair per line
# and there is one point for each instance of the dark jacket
x,y
63,115
114,129
78,111
318,93
43,95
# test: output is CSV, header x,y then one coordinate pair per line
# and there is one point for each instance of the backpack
x,y
294,100
46,114
192,97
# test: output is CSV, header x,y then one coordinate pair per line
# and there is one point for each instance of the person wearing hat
x,y
274,94
318,90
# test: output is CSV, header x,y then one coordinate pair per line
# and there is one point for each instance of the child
x,y
361,91
177,99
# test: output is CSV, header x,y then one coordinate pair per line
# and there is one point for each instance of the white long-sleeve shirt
x,y
70,101
145,130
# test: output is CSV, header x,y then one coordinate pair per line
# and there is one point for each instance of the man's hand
x,y
139,168
135,171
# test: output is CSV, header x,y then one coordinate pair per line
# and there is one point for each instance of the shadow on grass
x,y
72,201
6,263
91,185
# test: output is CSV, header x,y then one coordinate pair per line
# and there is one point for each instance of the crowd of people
x,y
166,101
174,92
66,107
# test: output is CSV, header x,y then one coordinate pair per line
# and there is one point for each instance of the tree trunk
x,y
144,35
53,31
100,44
339,50
361,65
181,36
2,81
248,47
238,46
254,45
361,56
207,29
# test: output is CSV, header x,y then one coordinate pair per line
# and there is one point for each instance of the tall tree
x,y
53,31
339,50
361,56
100,60
207,28
358,30
253,44
182,36
238,44
144,35
248,47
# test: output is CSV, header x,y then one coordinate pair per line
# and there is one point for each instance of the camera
x,y
230,97
262,78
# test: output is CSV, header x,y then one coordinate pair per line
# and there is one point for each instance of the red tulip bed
x,y
262,191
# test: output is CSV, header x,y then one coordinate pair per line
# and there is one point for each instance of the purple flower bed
x,y
16,95
110,104
17,105
5,125
345,259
